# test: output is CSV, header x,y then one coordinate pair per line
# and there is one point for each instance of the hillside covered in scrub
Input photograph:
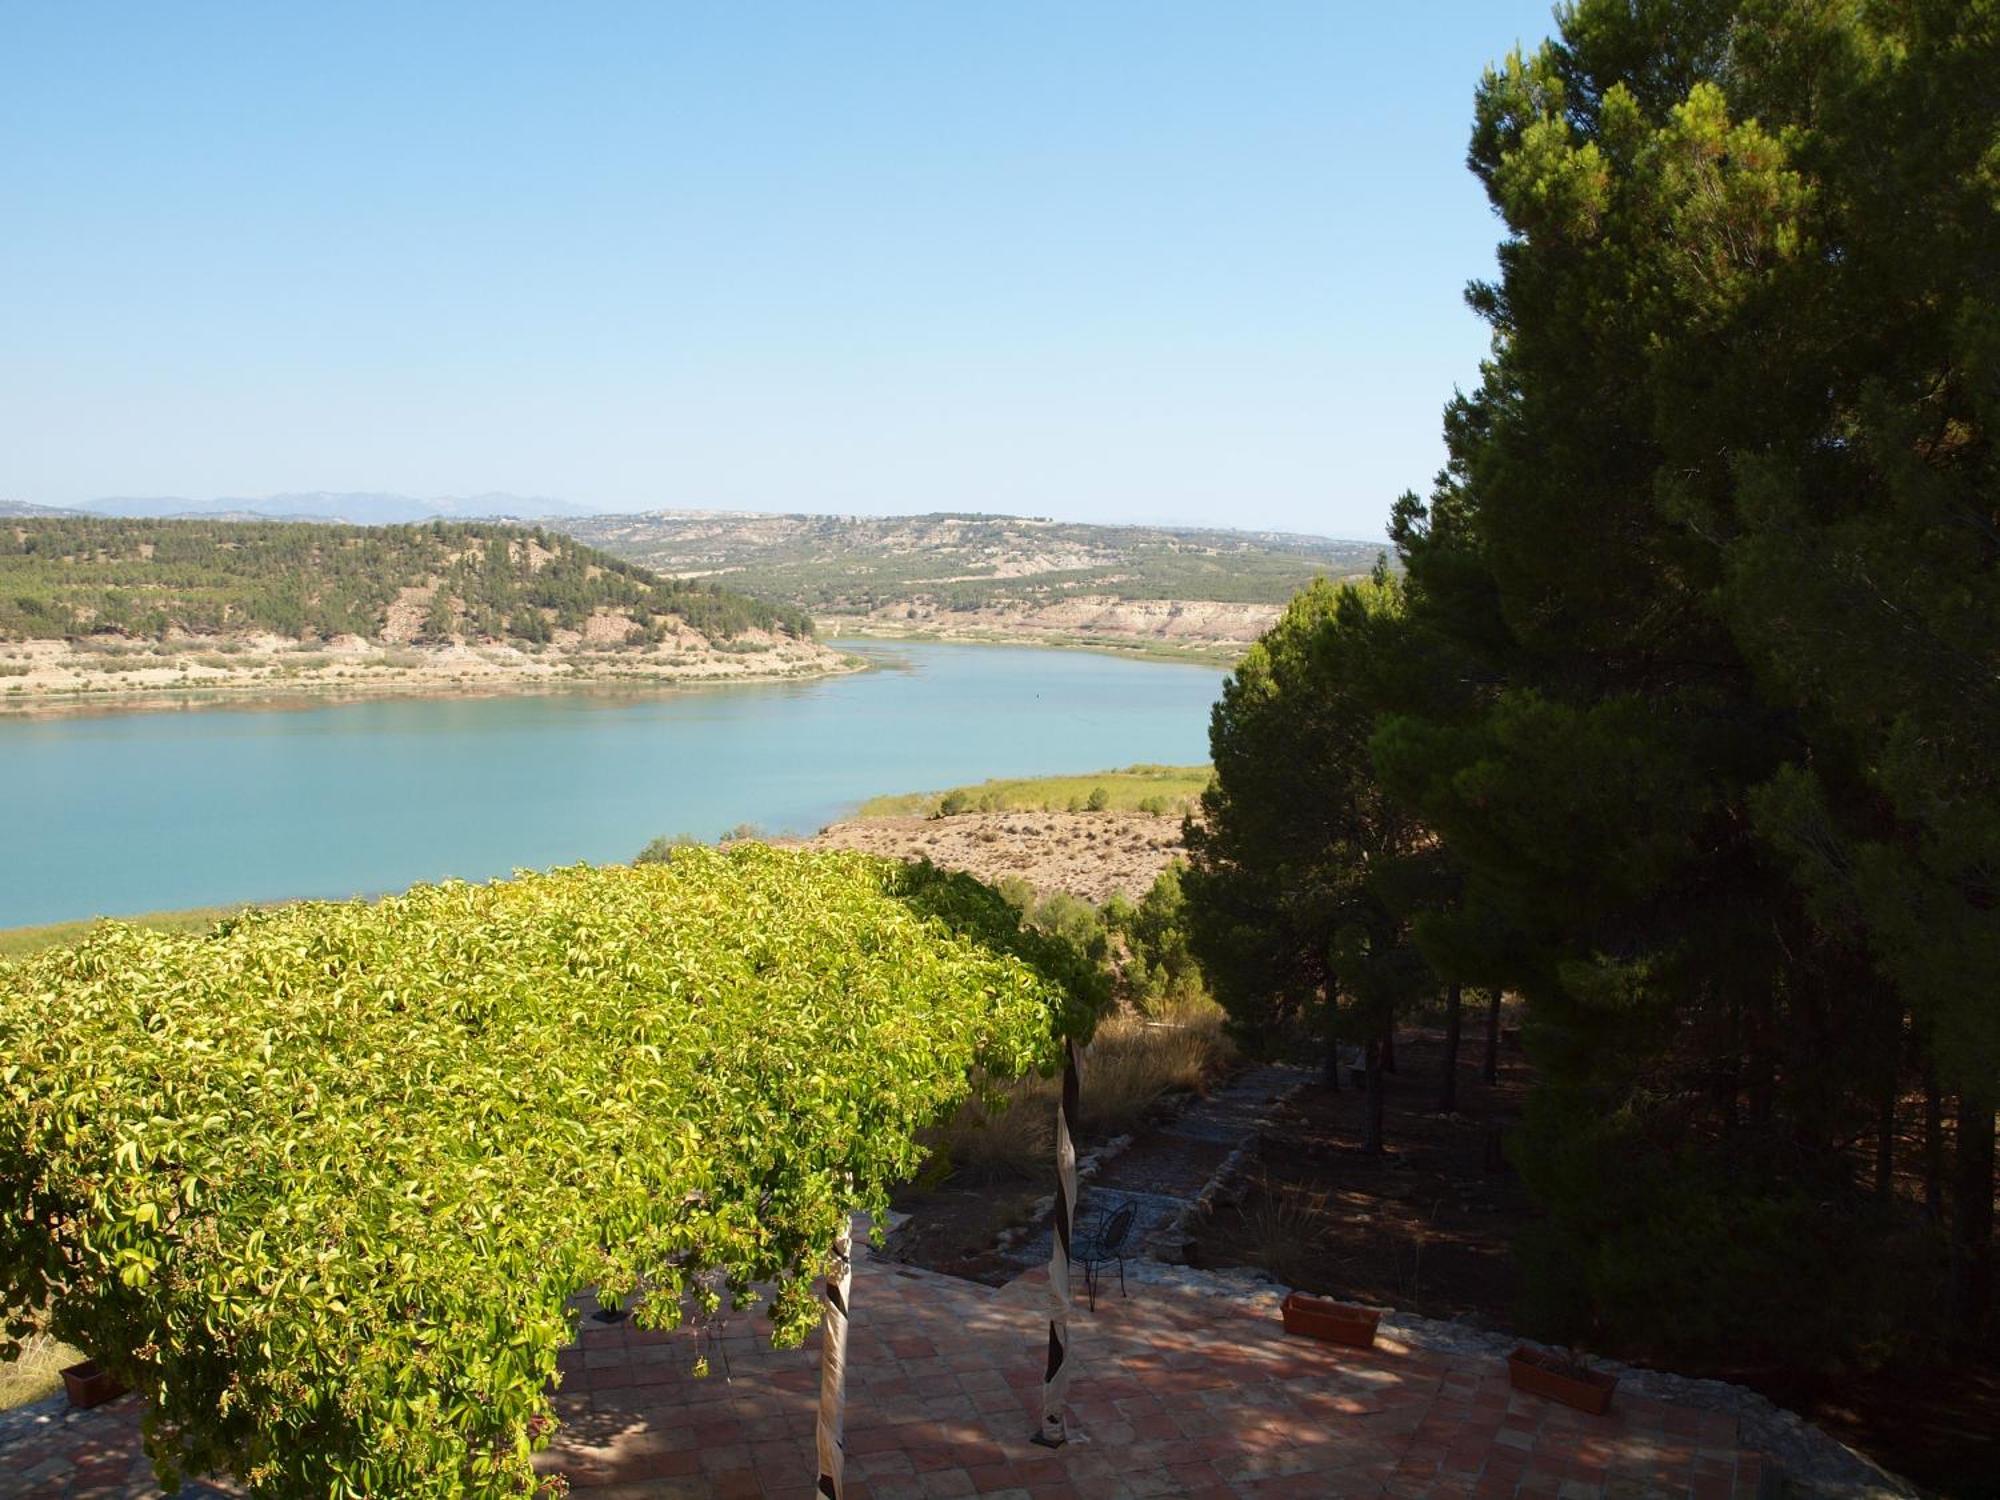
x,y
94,608
1170,590
854,563
402,585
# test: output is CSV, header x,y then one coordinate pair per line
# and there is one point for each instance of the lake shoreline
x,y
1193,651
715,669
327,683
66,681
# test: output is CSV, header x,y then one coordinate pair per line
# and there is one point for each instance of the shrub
x,y
1161,967
663,848
1004,1134
1069,919
37,1370
1008,1133
1289,1226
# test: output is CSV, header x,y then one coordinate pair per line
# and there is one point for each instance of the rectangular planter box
x,y
1551,1375
89,1384
1331,1321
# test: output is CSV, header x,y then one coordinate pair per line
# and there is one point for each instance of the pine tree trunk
x,y
1933,1144
1489,1072
1759,1065
1885,1142
1453,1022
1332,1037
1972,1219
1729,1086
1371,1144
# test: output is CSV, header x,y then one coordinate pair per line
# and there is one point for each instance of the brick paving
x,y
1174,1394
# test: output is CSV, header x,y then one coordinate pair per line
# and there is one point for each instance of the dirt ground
x,y
1426,1229
1088,854
953,1228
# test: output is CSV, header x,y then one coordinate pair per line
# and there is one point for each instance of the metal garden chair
x,y
1102,1245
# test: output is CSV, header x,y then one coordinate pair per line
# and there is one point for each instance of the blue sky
x,y
1176,262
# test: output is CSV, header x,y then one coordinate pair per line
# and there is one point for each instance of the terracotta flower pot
x,y
90,1384
1335,1322
1543,1374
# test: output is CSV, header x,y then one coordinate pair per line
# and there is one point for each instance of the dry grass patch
x,y
1130,1066
36,1371
1134,1061
1007,1134
1290,1228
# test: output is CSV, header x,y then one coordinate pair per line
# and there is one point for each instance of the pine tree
x,y
1716,557
1296,857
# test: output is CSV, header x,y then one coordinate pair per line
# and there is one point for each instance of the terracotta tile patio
x,y
1173,1394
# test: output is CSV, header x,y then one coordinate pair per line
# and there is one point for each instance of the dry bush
x,y
1006,1136
1289,1226
35,1372
1134,1061
1131,1064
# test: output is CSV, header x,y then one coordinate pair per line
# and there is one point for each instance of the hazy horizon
x,y
281,505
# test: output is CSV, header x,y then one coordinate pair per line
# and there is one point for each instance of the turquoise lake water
x,y
133,812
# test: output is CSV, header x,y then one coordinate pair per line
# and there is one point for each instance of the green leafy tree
x,y
667,1079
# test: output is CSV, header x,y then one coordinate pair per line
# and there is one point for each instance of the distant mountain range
x,y
354,508
23,508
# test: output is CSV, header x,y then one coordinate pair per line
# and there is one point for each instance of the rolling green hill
x,y
70,577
